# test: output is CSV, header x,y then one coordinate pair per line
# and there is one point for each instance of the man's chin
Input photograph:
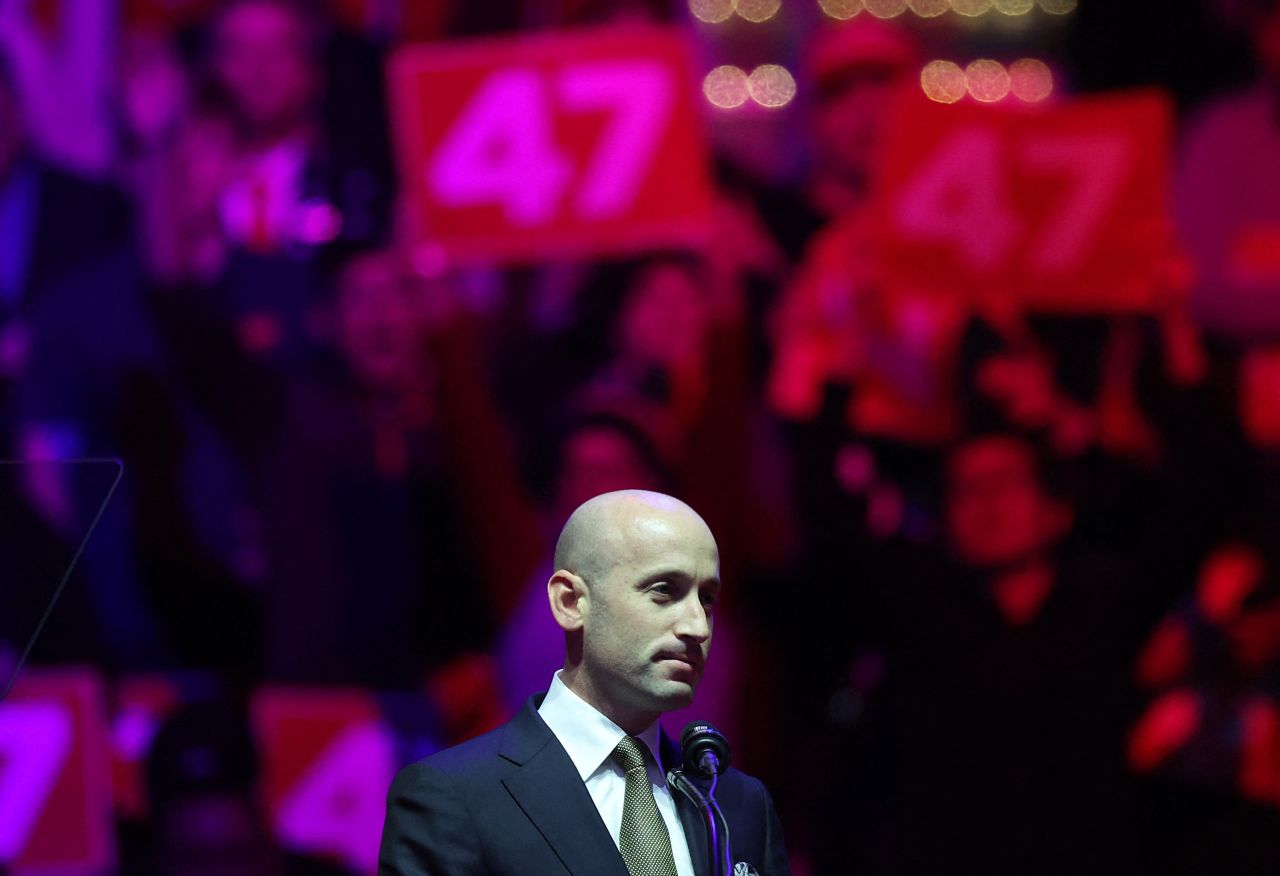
x,y
675,695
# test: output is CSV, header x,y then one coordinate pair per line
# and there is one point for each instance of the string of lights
x,y
759,11
772,86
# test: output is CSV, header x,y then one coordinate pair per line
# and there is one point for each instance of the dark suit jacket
x,y
511,802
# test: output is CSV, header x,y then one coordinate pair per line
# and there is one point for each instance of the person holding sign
x,y
575,781
1226,196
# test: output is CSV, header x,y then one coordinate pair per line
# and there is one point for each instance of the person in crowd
x,y
359,499
576,780
204,794
259,177
1014,676
175,364
856,67
1225,204
1140,404
1225,196
103,381
980,696
859,365
55,228
1207,738
51,221
853,67
62,59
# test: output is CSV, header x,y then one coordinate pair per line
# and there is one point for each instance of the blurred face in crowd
x,y
849,116
262,60
154,85
599,459
378,326
642,603
664,317
998,513
203,163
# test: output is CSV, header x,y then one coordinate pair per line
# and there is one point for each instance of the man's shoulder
x,y
460,777
483,755
469,754
466,757
442,810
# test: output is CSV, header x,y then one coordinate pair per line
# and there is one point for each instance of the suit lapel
x,y
551,793
691,819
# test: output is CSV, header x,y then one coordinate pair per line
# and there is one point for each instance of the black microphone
x,y
705,750
706,753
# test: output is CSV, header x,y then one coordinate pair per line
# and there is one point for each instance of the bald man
x,y
575,782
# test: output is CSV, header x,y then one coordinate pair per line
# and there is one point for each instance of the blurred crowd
x,y
1003,586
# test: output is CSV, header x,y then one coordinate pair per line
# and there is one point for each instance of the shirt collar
x,y
588,736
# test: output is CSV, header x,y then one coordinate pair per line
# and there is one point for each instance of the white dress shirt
x,y
589,738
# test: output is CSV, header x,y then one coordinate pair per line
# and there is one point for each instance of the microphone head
x,y
699,740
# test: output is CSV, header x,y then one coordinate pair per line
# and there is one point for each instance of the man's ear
x,y
567,594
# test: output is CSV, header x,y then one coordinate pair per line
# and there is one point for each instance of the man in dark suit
x,y
575,782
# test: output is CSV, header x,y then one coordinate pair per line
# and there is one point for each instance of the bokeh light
x,y
726,87
1014,7
988,80
1016,27
971,8
842,10
712,11
1058,7
886,8
929,8
943,81
771,85
1030,79
758,10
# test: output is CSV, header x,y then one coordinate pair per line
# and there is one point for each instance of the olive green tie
x,y
643,839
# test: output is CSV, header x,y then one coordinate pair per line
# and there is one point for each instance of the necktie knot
x,y
629,754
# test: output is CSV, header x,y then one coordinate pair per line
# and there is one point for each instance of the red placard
x,y
328,759
1063,206
55,785
567,144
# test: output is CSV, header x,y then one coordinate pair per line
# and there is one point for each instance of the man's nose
x,y
694,621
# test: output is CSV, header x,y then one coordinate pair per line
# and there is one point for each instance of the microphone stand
x,y
717,827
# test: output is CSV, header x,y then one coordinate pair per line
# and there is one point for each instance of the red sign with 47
x,y
1063,206
565,144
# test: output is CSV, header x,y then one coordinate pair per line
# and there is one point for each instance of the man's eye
x,y
661,589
